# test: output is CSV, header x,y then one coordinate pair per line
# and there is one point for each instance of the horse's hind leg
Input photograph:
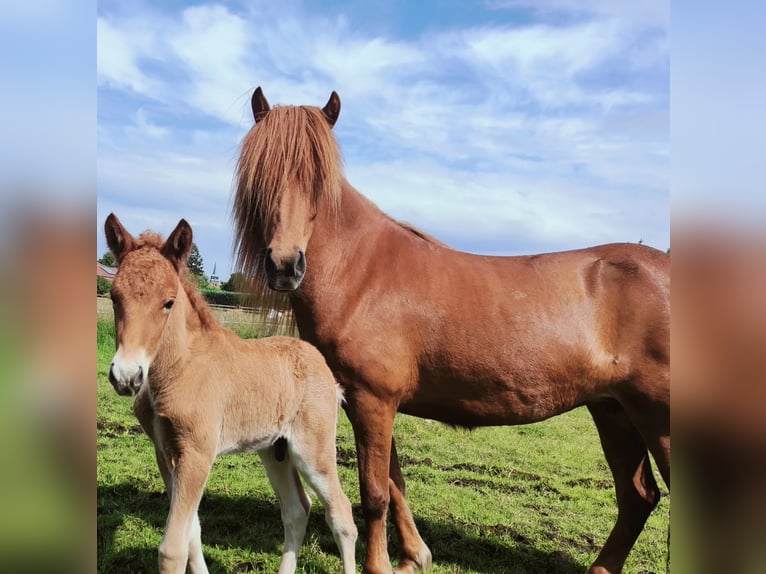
x,y
414,555
637,491
294,505
315,458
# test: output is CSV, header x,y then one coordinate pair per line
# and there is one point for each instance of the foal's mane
x,y
153,240
291,145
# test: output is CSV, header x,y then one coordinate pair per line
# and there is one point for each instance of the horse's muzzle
x,y
284,274
126,386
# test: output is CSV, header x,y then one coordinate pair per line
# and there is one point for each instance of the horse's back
x,y
304,367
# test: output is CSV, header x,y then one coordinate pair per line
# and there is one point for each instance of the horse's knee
x,y
343,525
172,559
375,503
294,516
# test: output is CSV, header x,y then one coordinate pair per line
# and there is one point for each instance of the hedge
x,y
229,298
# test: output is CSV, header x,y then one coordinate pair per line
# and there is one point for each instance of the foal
x,y
203,391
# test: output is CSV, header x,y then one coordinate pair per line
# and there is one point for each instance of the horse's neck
x,y
338,237
335,254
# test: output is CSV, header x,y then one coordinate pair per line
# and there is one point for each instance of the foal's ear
x,y
118,239
331,109
259,104
179,244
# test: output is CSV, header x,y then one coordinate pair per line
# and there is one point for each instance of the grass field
x,y
526,499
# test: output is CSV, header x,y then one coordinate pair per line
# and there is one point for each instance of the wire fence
x,y
247,322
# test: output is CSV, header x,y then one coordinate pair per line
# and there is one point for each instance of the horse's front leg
x,y
142,408
189,474
414,555
373,422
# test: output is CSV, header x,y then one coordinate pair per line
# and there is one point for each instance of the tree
x,y
202,281
103,286
194,261
108,259
235,284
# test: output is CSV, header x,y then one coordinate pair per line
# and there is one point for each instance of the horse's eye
x,y
168,304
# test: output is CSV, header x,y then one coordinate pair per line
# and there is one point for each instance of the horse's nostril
x,y
269,264
112,378
300,265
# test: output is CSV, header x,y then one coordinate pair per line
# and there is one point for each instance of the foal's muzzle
x,y
284,273
126,385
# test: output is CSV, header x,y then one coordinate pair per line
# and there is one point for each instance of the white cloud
x,y
212,45
120,48
521,131
558,212
144,125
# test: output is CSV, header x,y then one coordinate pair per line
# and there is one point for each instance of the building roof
x,y
105,271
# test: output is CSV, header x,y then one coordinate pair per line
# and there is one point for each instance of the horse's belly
x,y
249,442
489,403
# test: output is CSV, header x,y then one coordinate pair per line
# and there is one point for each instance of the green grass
x,y
526,499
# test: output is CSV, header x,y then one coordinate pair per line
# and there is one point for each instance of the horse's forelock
x,y
291,145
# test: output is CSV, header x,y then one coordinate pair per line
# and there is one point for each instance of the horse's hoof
x,y
424,560
421,563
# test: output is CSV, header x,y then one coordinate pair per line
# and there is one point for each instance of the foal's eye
x,y
168,304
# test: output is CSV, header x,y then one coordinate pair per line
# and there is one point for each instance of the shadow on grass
x,y
244,522
450,544
251,523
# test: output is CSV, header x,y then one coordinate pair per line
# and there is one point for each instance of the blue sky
x,y
500,127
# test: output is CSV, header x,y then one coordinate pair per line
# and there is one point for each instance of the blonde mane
x,y
291,145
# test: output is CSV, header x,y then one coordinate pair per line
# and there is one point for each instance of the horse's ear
x,y
331,109
179,244
118,239
259,104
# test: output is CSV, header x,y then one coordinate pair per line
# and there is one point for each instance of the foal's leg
x,y
315,458
373,422
294,505
188,482
144,412
196,558
637,491
414,555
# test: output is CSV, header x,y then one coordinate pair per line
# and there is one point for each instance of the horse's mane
x,y
153,240
291,145
420,233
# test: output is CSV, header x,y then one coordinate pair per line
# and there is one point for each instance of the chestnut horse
x,y
408,324
202,391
